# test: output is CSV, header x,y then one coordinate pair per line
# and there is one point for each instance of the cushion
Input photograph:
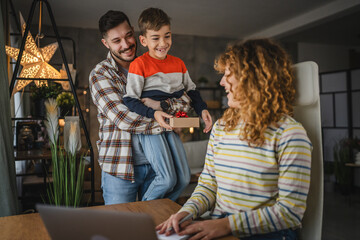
x,y
307,90
195,152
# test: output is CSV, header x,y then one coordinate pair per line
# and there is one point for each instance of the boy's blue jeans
x,y
166,155
117,190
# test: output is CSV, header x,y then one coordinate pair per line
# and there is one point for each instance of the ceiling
x,y
320,21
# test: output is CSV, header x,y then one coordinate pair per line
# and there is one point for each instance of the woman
x,y
256,175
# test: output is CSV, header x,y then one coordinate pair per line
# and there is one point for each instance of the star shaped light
x,y
34,61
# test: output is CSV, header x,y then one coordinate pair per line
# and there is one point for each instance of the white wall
x,y
328,57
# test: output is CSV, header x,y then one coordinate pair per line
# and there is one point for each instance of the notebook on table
x,y
95,224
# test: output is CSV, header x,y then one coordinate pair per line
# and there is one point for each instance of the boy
x,y
159,76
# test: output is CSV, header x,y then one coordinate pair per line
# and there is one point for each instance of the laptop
x,y
93,224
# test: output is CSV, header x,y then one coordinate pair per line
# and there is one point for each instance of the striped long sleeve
x,y
260,189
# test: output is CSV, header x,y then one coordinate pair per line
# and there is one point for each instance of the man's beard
x,y
117,55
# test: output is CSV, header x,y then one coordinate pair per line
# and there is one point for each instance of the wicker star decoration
x,y
34,61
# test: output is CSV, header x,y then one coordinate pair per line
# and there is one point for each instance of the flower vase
x,y
39,109
72,123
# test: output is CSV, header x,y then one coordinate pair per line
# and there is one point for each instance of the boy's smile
x,y
158,42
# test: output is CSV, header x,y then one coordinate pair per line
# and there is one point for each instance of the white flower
x,y
73,142
52,119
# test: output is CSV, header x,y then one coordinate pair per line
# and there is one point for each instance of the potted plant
x,y
343,154
65,101
329,176
41,93
68,168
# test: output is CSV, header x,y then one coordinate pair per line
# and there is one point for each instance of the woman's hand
x,y
173,221
205,115
208,229
160,118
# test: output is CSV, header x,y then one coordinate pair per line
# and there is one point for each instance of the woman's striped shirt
x,y
260,189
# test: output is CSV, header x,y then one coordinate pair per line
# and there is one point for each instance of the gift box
x,y
184,122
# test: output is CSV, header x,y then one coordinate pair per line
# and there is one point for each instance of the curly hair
x,y
265,90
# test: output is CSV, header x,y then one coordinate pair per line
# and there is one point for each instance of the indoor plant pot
x,y
40,94
65,101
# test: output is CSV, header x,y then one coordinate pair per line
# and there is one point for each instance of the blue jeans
x,y
166,155
287,234
117,190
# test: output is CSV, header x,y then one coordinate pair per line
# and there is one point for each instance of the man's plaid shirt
x,y
108,86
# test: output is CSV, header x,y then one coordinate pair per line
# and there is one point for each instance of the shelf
x,y
352,165
45,154
33,154
213,97
33,179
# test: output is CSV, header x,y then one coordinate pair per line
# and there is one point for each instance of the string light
x,y
61,122
191,130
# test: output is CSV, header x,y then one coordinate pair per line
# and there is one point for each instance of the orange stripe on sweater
x,y
147,66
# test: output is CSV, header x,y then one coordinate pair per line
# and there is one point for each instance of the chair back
x,y
307,112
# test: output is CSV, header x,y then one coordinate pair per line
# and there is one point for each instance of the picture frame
x,y
24,140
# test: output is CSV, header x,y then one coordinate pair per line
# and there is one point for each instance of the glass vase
x,y
72,136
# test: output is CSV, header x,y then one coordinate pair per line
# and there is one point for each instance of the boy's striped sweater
x,y
159,80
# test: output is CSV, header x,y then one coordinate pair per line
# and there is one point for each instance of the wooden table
x,y
31,226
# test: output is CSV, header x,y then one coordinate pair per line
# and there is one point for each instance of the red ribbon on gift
x,y
181,114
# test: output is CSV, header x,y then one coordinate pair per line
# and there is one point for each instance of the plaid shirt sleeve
x,y
107,91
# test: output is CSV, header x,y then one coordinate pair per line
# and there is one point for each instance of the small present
x,y
181,120
184,122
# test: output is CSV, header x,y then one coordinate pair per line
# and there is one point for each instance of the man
x,y
126,172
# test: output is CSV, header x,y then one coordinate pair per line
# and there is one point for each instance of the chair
x,y
307,112
195,152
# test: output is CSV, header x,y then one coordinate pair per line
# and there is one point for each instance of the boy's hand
x,y
160,118
205,115
151,103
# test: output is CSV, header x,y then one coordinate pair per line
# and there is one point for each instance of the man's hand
x,y
205,115
151,103
160,118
